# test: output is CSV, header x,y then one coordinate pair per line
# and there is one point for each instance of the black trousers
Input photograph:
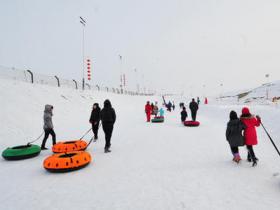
x,y
251,153
47,133
234,150
193,115
95,129
108,130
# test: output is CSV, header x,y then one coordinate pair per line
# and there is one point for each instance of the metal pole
x,y
83,22
83,57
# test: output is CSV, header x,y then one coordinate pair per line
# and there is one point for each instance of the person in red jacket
x,y
148,110
250,133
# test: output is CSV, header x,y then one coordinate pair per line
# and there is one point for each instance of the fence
x,y
31,77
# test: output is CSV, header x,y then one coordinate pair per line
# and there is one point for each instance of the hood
x,y
97,105
233,115
48,108
107,104
245,111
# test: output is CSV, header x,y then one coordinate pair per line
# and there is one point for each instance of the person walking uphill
x,y
193,107
108,119
184,115
234,135
250,133
148,111
95,119
48,126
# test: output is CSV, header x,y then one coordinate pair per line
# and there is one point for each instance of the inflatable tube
x,y
191,123
159,119
59,163
21,152
69,146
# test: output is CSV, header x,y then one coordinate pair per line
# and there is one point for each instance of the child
x,y
250,133
161,112
184,115
234,135
95,119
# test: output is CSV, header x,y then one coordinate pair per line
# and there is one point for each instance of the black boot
x,y
106,150
249,159
254,162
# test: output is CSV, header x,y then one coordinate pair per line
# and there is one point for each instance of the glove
x,y
258,117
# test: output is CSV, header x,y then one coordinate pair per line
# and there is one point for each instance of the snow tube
x,y
65,162
69,146
21,152
191,123
159,119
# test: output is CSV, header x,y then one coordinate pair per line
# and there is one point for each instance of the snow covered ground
x,y
152,166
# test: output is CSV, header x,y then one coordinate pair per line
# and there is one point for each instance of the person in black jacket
x,y
95,119
108,118
193,107
184,115
234,135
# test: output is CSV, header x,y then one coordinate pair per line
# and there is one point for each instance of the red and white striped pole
x,y
88,70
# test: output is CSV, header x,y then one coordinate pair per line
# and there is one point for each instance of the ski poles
x,y
35,139
270,139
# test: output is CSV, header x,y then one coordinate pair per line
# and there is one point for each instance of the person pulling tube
x,y
48,126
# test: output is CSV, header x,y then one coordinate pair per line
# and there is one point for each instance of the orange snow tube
x,y
65,162
69,146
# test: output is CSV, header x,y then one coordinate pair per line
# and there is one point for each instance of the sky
x,y
195,47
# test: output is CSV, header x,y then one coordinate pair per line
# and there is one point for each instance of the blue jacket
x,y
161,112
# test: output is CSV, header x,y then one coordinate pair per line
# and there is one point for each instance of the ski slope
x,y
151,167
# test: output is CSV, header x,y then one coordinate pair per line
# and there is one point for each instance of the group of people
x,y
193,106
242,131
152,109
107,116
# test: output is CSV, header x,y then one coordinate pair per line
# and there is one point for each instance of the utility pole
x,y
83,22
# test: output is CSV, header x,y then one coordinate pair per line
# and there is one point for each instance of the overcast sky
x,y
176,45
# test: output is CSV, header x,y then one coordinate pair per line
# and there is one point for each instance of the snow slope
x,y
151,167
260,95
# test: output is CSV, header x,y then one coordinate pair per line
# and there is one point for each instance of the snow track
x,y
151,167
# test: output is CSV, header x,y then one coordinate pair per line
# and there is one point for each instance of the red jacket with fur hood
x,y
251,122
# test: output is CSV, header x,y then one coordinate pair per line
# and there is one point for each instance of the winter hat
x,y
245,110
107,103
233,115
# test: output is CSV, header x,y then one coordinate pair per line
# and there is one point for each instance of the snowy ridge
x,y
260,95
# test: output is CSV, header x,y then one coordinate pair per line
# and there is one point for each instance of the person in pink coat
x,y
250,133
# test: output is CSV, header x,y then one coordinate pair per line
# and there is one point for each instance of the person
x,y
250,133
152,108
95,119
155,109
206,101
48,126
184,115
108,119
169,105
173,106
234,135
148,110
193,107
198,100
161,112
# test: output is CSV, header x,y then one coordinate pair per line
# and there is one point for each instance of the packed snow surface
x,y
152,166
